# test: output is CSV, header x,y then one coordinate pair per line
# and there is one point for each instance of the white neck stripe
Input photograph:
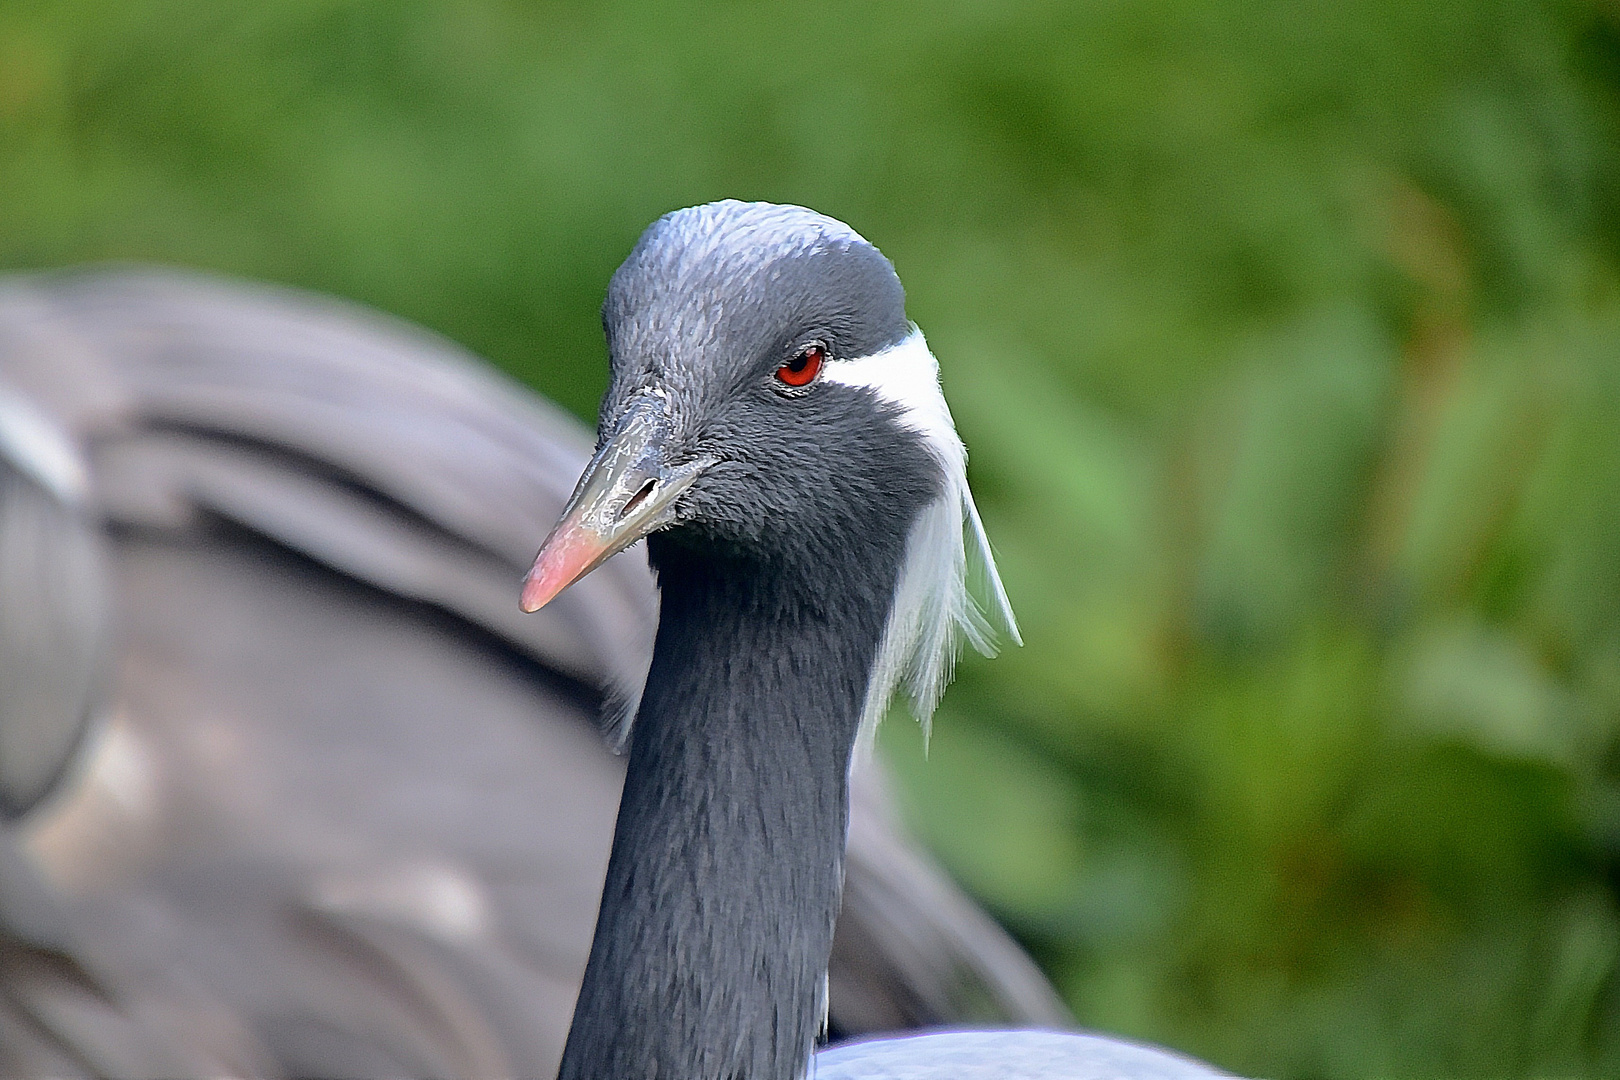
x,y
906,375
933,609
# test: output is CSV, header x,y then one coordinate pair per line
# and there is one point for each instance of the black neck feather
x,y
717,915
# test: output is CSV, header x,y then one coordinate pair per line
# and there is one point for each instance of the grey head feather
x,y
711,292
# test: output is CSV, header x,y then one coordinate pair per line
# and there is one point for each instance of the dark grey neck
x,y
717,916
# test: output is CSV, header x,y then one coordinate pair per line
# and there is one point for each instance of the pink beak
x,y
626,492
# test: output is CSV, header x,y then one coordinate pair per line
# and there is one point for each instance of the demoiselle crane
x,y
774,427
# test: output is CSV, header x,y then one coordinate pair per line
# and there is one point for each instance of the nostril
x,y
637,499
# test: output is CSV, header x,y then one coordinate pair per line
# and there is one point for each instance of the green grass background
x,y
1286,338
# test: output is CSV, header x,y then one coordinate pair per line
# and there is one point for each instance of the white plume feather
x,y
935,608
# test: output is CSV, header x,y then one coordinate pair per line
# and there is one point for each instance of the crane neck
x,y
711,946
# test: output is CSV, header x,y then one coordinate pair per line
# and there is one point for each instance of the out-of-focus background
x,y
1286,340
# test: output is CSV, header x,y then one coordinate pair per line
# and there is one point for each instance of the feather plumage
x,y
949,589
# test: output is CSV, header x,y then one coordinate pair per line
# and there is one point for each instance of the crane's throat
x,y
717,915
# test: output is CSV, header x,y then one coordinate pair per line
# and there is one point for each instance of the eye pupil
x,y
803,368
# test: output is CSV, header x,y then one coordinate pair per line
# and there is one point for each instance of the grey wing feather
x,y
386,411
58,1016
52,605
1005,1055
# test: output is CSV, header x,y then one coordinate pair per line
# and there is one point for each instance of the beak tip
x,y
534,595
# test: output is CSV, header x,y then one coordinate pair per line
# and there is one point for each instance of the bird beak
x,y
626,492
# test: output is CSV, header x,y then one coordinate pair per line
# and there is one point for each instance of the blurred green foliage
x,y
1286,336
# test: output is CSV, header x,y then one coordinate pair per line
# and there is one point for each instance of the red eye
x,y
802,369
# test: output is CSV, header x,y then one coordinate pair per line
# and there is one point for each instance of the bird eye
x,y
803,368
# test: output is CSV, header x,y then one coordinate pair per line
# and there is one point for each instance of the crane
x,y
774,428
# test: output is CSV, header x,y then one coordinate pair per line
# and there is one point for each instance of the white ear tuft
x,y
949,590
